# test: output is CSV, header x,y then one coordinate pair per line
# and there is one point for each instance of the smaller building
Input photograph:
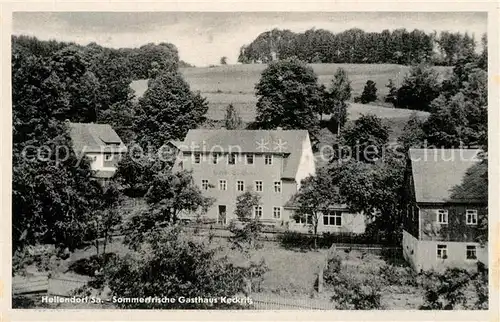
x,y
444,210
101,145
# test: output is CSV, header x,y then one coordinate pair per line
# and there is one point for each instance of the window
x,y
249,158
257,211
215,158
258,186
231,158
277,186
197,157
108,157
442,216
470,252
471,217
223,184
268,159
276,212
442,251
92,157
240,185
333,218
304,219
204,184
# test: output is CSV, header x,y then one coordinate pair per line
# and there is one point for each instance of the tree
x,y
167,111
245,204
53,196
337,96
420,87
392,95
366,138
223,60
317,194
137,168
245,235
171,264
232,119
483,58
163,56
288,96
170,195
413,135
369,92
107,217
462,118
374,189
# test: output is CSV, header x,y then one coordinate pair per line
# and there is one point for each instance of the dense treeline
x,y
135,63
54,198
399,46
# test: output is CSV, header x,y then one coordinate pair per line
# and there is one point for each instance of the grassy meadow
x,y
234,84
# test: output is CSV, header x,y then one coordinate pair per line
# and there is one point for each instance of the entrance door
x,y
221,219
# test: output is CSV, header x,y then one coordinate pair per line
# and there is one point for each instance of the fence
x,y
45,285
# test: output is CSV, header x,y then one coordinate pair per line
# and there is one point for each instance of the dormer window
x,y
215,158
231,158
268,159
249,158
197,157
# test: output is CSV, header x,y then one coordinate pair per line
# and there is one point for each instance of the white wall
x,y
306,164
351,223
422,254
98,163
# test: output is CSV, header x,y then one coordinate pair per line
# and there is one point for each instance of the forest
x,y
356,46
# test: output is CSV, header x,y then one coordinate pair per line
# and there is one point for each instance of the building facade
x,y
226,163
100,144
442,224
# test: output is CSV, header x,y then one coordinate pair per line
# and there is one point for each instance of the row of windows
x,y
258,211
333,218
470,216
107,157
233,158
470,252
240,185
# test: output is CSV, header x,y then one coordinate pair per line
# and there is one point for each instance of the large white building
x,y
226,163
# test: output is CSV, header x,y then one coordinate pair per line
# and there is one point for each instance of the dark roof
x,y
90,137
289,143
438,172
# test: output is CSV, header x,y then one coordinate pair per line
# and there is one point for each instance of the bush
x,y
445,291
351,292
245,235
333,268
89,266
293,239
399,276
481,287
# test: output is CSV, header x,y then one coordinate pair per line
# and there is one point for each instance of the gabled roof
x,y
90,137
285,142
438,173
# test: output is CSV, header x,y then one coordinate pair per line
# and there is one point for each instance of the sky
x,y
202,38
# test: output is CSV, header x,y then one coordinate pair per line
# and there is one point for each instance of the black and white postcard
x,y
246,160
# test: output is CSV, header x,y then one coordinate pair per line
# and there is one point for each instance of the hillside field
x,y
234,84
